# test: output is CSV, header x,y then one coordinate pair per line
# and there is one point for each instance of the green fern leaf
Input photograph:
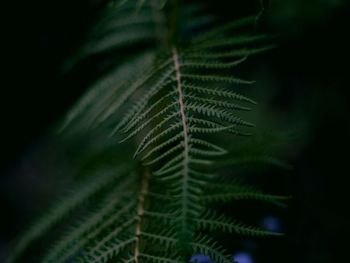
x,y
169,105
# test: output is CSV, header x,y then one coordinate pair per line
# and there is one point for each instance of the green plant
x,y
168,101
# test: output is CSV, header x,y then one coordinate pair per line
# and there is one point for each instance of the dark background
x,y
309,72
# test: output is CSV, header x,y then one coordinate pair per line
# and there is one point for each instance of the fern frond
x,y
227,197
121,26
218,103
108,251
152,91
142,113
103,94
179,120
164,155
60,211
163,145
167,241
170,106
221,114
210,248
220,93
208,145
213,222
78,237
150,134
158,259
243,52
114,106
212,64
234,41
215,78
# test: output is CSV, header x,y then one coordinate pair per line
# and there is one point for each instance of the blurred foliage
x,y
301,83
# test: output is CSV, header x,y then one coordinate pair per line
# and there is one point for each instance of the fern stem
x,y
181,102
186,159
140,212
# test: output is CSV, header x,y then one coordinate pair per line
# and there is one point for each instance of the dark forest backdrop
x,y
304,82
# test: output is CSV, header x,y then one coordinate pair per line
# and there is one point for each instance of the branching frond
x,y
170,105
227,192
213,222
61,211
173,115
93,226
121,25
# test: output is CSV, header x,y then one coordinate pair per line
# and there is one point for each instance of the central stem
x,y
185,176
181,102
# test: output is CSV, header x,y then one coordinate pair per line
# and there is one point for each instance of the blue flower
x,y
243,257
200,258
